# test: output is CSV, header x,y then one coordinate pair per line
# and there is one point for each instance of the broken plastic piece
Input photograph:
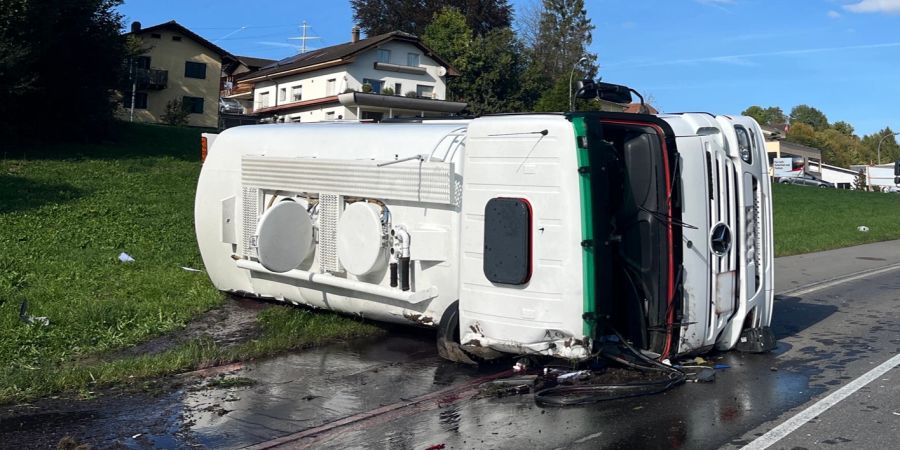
x,y
29,319
573,376
721,366
125,257
704,375
191,269
863,228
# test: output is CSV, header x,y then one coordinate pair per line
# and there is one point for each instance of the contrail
x,y
732,58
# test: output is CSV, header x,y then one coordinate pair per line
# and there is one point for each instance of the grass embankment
x,y
66,212
809,219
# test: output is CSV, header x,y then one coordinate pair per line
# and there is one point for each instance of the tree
x,y
491,76
413,16
44,47
843,127
563,39
176,114
772,116
890,151
802,133
449,36
810,116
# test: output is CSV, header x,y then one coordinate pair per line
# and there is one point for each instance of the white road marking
x,y
789,426
838,281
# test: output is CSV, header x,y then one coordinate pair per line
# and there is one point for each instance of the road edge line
x,y
789,426
831,282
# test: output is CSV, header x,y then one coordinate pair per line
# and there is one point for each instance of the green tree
x,y
53,47
843,127
802,133
810,116
564,36
176,114
413,16
890,151
772,116
491,77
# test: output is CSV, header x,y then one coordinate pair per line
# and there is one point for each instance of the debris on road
x,y
28,318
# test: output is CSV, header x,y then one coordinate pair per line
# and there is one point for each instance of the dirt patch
x,y
230,324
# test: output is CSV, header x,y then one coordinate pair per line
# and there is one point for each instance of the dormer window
x,y
384,55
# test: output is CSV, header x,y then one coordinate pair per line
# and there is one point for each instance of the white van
x,y
512,234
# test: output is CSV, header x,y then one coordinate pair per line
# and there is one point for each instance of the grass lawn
x,y
66,212
809,219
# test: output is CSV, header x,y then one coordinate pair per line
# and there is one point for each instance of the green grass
x,y
66,212
809,219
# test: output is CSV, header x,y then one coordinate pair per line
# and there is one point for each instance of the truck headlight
x,y
746,155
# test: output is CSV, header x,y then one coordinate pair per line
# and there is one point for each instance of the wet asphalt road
x,y
826,339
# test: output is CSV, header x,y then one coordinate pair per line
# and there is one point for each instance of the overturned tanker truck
x,y
524,234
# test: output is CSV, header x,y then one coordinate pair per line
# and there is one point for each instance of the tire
x,y
448,345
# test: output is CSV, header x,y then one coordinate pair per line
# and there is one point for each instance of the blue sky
x,y
841,56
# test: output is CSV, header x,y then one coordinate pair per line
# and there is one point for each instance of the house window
x,y
329,86
282,94
140,100
176,38
376,85
398,88
412,59
384,55
424,90
194,70
297,93
155,35
193,105
263,100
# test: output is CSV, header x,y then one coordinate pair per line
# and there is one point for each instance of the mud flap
x,y
756,340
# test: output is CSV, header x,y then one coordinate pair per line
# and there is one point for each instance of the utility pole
x,y
303,37
133,75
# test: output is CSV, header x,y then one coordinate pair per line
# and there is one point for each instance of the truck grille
x,y
329,213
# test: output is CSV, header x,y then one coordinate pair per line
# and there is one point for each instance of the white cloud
x,y
874,6
834,14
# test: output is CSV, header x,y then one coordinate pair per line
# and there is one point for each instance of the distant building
x,y
237,68
384,76
179,65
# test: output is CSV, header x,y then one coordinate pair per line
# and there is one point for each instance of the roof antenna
x,y
304,37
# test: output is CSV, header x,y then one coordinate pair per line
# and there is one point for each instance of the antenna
x,y
303,38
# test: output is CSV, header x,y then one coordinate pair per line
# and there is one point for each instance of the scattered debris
x,y
436,447
895,413
721,366
773,369
190,269
863,228
125,257
574,376
137,435
28,318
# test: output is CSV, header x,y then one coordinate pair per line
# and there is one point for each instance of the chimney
x,y
135,26
354,34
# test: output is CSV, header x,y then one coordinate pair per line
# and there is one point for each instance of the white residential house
x,y
380,77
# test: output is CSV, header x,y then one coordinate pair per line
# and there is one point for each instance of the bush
x,y
387,91
176,114
366,87
411,94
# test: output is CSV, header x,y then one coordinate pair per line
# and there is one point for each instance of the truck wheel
x,y
448,337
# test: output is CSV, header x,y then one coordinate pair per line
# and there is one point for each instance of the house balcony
x,y
151,79
237,90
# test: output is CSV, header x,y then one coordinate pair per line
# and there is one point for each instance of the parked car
x,y
230,106
806,180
